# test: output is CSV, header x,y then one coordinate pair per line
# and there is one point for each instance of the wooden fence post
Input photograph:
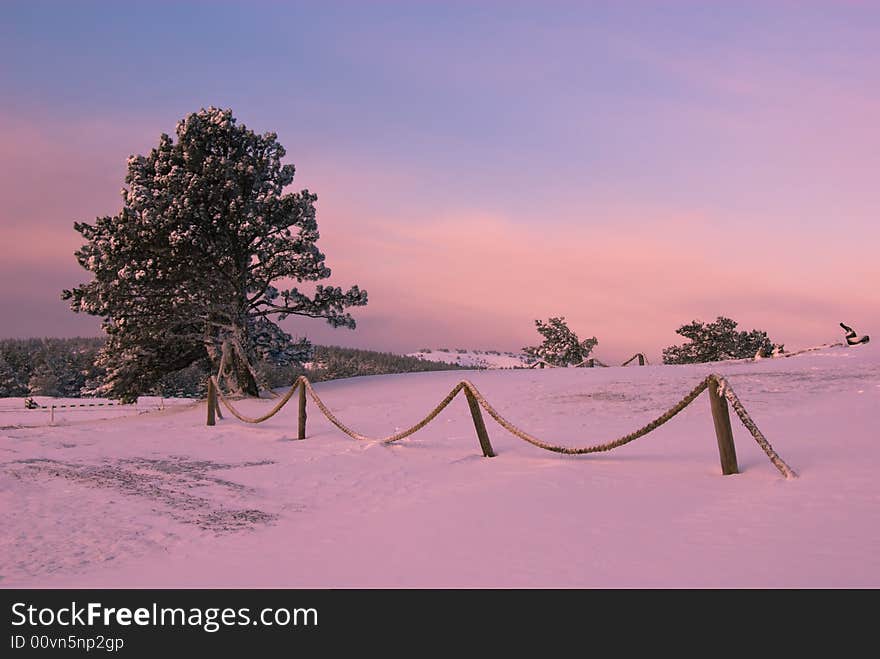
x,y
301,434
479,425
641,359
212,402
723,431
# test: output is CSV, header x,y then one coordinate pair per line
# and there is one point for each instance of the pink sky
x,y
469,276
681,177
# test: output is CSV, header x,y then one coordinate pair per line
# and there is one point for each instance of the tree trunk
x,y
240,368
245,381
234,365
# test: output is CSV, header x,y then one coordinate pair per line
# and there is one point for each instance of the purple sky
x,y
631,166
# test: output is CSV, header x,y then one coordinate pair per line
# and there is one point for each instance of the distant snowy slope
x,y
473,358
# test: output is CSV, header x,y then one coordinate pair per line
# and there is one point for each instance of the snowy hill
x,y
489,359
473,358
161,500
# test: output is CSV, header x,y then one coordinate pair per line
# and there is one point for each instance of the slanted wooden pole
x,y
301,434
212,403
723,431
480,427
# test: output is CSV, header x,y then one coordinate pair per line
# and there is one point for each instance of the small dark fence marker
x,y
301,433
723,432
479,425
638,356
212,402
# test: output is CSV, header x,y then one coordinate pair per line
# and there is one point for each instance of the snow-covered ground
x,y
161,500
15,412
474,358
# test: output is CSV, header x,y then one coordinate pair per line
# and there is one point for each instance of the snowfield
x,y
160,500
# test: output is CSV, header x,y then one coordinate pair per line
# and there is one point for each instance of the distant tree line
x,y
707,342
67,368
332,362
48,367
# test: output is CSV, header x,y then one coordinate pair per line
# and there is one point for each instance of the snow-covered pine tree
x,y
44,381
189,263
46,378
16,353
561,346
9,385
716,342
60,368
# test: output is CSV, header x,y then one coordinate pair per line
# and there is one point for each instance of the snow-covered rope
x,y
596,448
724,389
783,355
391,438
840,344
247,419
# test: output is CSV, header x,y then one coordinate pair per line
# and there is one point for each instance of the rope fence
x,y
785,355
640,356
590,362
31,405
720,393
